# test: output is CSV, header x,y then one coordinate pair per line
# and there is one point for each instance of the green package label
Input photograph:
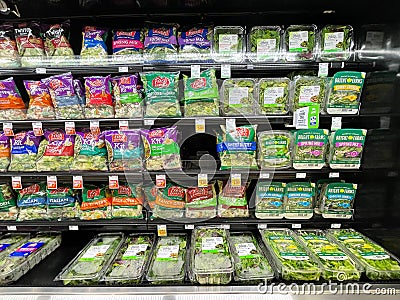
x,y
168,253
203,87
164,149
135,252
160,86
300,196
339,196
346,148
212,244
247,250
298,41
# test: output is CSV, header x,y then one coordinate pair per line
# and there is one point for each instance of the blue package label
x,y
27,249
4,247
237,146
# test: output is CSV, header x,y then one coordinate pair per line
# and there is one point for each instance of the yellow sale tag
x,y
200,125
162,230
202,180
236,180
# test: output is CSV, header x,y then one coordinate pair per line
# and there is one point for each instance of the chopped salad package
x,y
8,203
12,107
96,203
299,200
99,102
124,149
310,148
161,149
8,47
170,202
94,43
24,150
62,203
201,202
56,42
32,202
29,43
232,200
238,97
128,100
128,42
270,200
127,201
56,151
274,149
40,102
5,152
160,43
195,43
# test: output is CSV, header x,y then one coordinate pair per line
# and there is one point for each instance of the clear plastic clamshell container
x,y
92,261
264,43
130,263
210,258
274,149
251,263
10,241
336,42
229,44
374,41
291,259
300,43
273,96
335,264
27,255
270,200
379,263
168,260
238,97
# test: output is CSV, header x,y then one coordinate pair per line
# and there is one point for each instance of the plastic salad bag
x,y
8,48
12,107
195,43
160,43
170,202
128,100
5,153
96,203
8,203
29,43
32,202
94,43
40,103
127,201
201,202
99,102
56,42
62,203
24,149
127,42
232,200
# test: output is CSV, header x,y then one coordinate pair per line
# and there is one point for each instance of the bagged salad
x,y
346,148
99,102
124,150
40,102
161,90
62,204
8,203
96,203
161,149
238,97
299,200
237,147
79,91
201,202
94,46
128,42
195,43
5,152
127,201
32,202
56,42
150,194
170,202
264,43
274,149
273,96
29,43
160,43
12,107
229,43
310,148
270,200
201,97
24,150
309,90
56,151
336,42
8,48
128,100
232,200
301,43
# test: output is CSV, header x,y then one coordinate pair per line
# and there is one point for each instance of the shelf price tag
x,y
161,181
195,71
189,226
77,182
123,69
323,69
70,128
95,127
306,117
16,182
37,128
230,125
262,226
12,228
200,125
8,129
226,226
301,175
264,175
225,71
52,182
113,182
162,230
236,180
336,123
202,180
73,227
296,226
336,225
123,125
334,175
149,122
41,71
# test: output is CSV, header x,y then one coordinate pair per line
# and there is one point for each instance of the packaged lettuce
x,y
237,147
94,43
310,148
264,43
229,43
5,153
56,42
123,149
90,153
201,202
99,102
80,92
201,96
8,204
160,43
29,43
309,90
161,149
62,204
161,89
301,43
273,96
299,200
127,201
232,200
128,42
195,43
150,194
274,149
40,103
8,48
270,200
170,202
24,150
128,100
238,97
346,148
12,107
336,42
96,203
32,202
345,93
56,151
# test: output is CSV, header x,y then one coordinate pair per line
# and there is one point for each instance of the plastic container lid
x,y
10,241
301,42
229,43
238,97
270,199
264,43
274,149
273,96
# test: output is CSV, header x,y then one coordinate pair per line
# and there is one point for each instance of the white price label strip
x,y
73,227
189,226
95,127
200,125
334,175
264,175
336,225
148,122
70,127
262,226
162,230
123,69
296,226
123,125
41,71
226,226
301,175
195,71
323,69
113,182
225,71
336,123
8,129
37,128
77,182
12,228
52,182
16,182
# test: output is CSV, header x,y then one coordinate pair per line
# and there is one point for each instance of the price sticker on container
x,y
77,182
334,175
301,175
16,182
226,71
73,227
323,69
37,128
336,225
123,125
161,181
95,127
12,228
236,180
70,128
149,122
8,129
162,230
52,182
113,182
202,180
336,123
123,69
195,71
296,226
200,125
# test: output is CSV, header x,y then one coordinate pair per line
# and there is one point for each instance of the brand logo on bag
x,y
59,190
161,31
125,80
119,138
19,136
30,190
199,83
176,192
242,131
161,82
56,136
124,190
2,86
93,193
55,84
200,193
96,82
126,33
90,136
55,32
156,133
194,32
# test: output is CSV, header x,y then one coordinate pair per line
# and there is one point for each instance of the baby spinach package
x,y
238,97
264,43
32,202
309,90
336,42
270,200
301,43
273,96
299,200
229,43
62,203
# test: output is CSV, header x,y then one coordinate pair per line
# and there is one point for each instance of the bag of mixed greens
x,y
237,147
346,147
56,151
127,201
274,149
310,148
99,102
5,153
309,90
40,103
301,43
29,43
195,43
90,152
24,149
94,43
66,103
160,43
161,90
201,202
229,43
201,95
336,42
263,43
124,150
170,202
56,41
150,194
237,97
128,101
12,107
273,96
8,203
32,202
345,93
270,200
128,42
80,92
299,200
161,149
8,48
232,202
96,203
62,203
